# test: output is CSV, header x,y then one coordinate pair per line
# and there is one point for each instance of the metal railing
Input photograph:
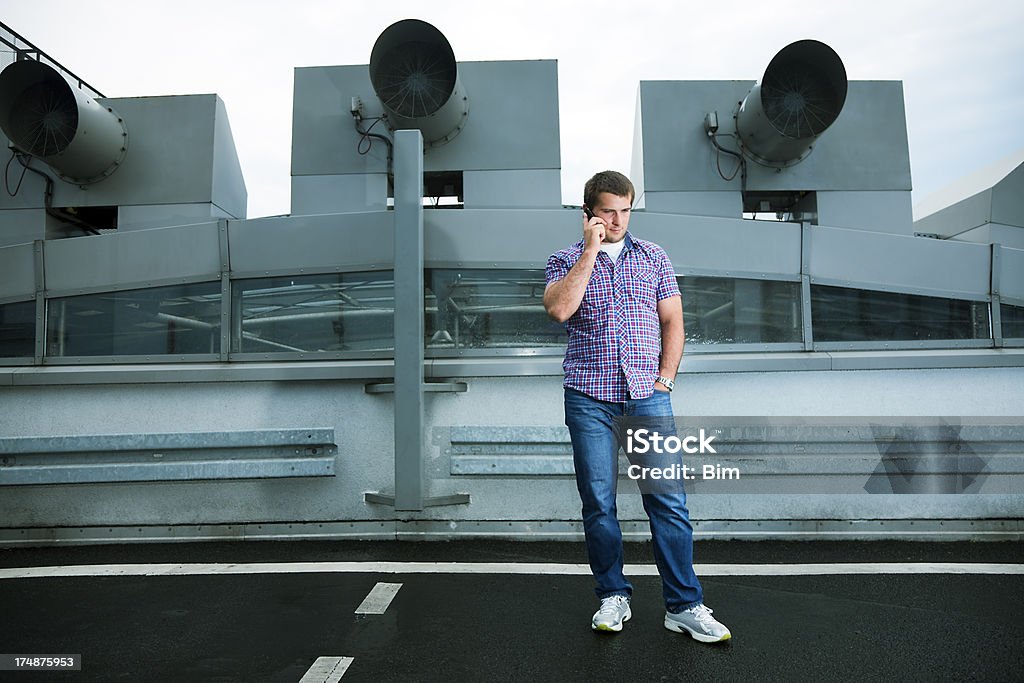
x,y
21,48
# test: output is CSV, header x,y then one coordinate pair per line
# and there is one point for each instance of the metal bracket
x,y
433,387
435,501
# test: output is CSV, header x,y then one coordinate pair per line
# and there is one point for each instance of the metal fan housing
x,y
47,117
414,74
801,95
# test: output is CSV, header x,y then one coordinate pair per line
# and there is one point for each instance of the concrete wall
x,y
501,505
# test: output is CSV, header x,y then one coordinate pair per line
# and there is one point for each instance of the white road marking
x,y
502,568
378,599
327,670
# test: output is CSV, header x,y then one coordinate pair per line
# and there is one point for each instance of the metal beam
x,y
995,302
409,386
227,307
805,286
409,323
40,284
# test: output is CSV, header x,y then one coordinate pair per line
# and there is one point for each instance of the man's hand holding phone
x,y
593,230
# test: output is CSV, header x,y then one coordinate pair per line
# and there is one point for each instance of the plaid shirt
x,y
614,345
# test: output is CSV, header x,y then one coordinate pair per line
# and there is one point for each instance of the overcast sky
x,y
961,63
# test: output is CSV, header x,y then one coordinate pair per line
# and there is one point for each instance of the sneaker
x,y
613,613
699,622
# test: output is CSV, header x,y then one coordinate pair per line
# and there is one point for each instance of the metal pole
x,y
995,302
40,282
805,285
409,324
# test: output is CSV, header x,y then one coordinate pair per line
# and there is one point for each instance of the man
x,y
619,300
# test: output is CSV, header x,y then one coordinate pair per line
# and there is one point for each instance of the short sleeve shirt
x,y
614,347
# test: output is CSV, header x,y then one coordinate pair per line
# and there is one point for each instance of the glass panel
x,y
1013,321
719,310
333,312
841,314
183,319
488,309
18,329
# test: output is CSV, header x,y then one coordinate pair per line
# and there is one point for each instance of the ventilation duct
x,y
45,116
416,78
800,96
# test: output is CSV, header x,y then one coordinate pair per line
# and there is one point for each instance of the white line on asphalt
x,y
502,568
378,599
326,670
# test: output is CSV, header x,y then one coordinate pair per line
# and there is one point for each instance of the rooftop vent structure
x,y
800,96
47,117
416,78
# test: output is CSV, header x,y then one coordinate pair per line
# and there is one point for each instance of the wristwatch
x,y
666,381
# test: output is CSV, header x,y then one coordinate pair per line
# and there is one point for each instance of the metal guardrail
x,y
874,455
107,458
26,50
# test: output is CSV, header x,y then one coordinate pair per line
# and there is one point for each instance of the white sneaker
x,y
700,624
613,613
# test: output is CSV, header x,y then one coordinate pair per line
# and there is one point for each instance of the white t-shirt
x,y
613,249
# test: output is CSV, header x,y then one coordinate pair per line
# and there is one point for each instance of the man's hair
x,y
612,182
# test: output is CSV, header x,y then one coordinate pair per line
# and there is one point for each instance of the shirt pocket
x,y
595,298
642,285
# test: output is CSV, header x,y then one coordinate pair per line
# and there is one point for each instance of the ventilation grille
x,y
415,79
800,103
44,119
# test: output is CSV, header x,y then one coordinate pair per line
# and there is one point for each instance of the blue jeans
x,y
595,447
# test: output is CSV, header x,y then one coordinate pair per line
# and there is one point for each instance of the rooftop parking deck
x,y
505,611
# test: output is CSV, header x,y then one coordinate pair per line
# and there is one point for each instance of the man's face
x,y
614,210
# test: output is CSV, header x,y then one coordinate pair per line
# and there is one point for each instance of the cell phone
x,y
588,212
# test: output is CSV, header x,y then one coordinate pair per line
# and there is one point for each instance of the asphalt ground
x,y
512,627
